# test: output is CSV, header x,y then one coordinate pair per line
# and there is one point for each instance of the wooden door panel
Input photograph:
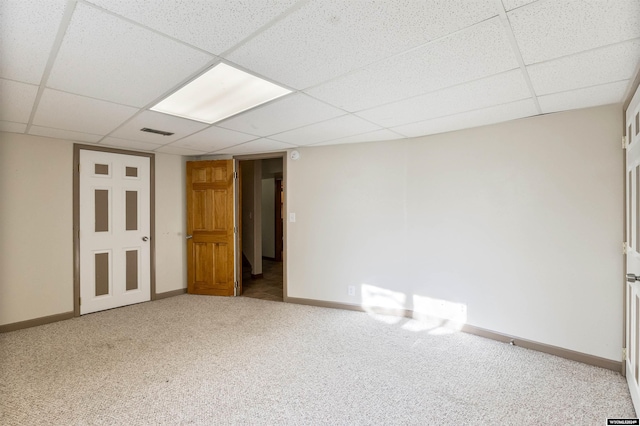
x,y
220,210
210,223
221,267
211,269
202,262
199,174
200,210
219,173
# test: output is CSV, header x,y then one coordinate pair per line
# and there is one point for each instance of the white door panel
x,y
114,230
632,288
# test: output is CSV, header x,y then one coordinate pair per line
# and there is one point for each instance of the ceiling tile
x,y
155,120
212,25
340,127
485,48
287,113
129,144
604,65
513,4
550,29
16,100
391,62
27,32
377,135
8,126
108,58
345,35
256,147
176,150
72,112
64,134
494,90
213,139
605,94
480,117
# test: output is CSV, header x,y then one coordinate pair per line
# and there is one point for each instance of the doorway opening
x,y
261,212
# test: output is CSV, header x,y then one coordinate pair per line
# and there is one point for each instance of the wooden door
x,y
632,288
210,229
115,226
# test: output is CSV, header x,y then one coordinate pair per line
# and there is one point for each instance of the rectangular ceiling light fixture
x,y
219,93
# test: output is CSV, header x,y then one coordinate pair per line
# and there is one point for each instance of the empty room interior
x,y
319,212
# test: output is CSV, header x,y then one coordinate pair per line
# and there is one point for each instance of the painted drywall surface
x,y
514,228
251,213
36,260
171,243
349,227
524,222
247,210
268,218
271,168
257,223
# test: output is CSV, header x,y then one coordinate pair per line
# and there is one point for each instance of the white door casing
x,y
632,287
115,248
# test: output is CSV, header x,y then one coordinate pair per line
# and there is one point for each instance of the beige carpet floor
x,y
198,360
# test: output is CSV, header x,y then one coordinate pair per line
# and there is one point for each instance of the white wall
x,y
247,210
519,223
268,218
171,223
271,168
36,219
251,214
36,224
257,222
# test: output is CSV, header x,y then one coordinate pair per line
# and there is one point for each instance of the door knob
x,y
189,237
145,238
633,278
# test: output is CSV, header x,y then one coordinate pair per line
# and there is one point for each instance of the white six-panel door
x,y
632,288
114,230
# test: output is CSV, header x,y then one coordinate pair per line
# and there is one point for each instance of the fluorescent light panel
x,y
219,93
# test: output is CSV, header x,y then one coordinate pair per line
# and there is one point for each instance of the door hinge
x,y
235,175
235,229
235,285
79,301
624,248
624,354
625,144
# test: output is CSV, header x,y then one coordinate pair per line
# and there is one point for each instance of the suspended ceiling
x,y
360,70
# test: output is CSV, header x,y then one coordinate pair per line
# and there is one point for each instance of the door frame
x,y
76,216
238,215
279,225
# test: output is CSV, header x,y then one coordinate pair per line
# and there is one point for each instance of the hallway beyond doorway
x,y
268,287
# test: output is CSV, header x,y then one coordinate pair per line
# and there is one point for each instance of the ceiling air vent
x,y
158,132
